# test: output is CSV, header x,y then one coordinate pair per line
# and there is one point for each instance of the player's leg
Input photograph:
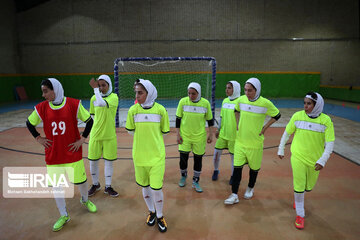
x,y
109,155
184,150
231,145
198,149
299,170
219,146
94,154
255,159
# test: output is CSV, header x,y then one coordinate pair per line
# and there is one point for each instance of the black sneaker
x,y
111,192
94,189
151,219
162,226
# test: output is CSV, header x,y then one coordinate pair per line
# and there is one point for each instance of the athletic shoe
x,y
151,219
231,180
232,199
249,193
182,181
89,205
111,192
94,189
162,226
294,206
197,187
60,223
215,175
299,222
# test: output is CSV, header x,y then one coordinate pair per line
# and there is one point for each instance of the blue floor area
x,y
337,110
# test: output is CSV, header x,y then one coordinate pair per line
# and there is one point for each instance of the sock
x,y
108,172
60,200
299,204
159,201
216,159
232,163
196,177
83,188
183,172
94,170
147,194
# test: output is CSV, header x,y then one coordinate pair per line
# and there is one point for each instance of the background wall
x,y
85,36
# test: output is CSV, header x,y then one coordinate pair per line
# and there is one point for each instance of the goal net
x,y
170,76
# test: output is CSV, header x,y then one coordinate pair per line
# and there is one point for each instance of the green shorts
x,y
75,171
152,176
222,143
251,156
106,148
197,147
304,175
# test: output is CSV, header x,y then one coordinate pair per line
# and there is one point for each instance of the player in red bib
x,y
62,141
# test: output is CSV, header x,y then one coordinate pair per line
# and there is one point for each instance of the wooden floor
x,y
332,209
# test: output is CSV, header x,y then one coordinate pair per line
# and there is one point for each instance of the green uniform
x,y
103,133
192,129
249,144
310,135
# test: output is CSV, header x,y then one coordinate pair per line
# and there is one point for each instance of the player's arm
x,y
281,151
210,127
32,121
99,101
84,116
218,128
269,123
177,125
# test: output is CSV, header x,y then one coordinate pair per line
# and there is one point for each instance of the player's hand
x,y
217,134
93,83
44,141
179,139
280,156
318,167
209,138
74,147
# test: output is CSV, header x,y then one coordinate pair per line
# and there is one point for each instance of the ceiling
x,y
23,5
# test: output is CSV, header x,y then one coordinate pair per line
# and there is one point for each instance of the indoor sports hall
x,y
291,47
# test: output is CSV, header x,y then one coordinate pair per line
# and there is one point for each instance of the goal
x,y
170,76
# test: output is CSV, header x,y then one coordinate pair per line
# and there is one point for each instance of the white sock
x,y
159,202
60,200
216,158
299,204
83,188
108,171
149,200
94,170
232,163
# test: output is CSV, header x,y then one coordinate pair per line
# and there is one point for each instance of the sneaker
x,y
232,199
215,175
151,219
111,192
197,187
162,226
249,193
299,222
231,180
60,223
182,181
89,205
294,206
94,189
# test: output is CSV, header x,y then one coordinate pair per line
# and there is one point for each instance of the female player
x,y
191,114
250,137
226,132
148,121
103,106
62,140
312,131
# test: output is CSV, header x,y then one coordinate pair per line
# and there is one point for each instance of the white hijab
x,y
236,90
256,83
107,79
58,90
319,105
151,93
197,87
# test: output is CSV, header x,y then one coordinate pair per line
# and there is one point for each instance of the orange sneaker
x,y
299,222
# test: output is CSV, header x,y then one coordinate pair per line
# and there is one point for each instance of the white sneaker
x,y
233,198
249,193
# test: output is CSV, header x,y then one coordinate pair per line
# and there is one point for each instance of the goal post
x,y
170,76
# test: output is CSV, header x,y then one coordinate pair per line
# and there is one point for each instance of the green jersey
x,y
149,126
310,135
104,118
252,119
193,118
228,120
